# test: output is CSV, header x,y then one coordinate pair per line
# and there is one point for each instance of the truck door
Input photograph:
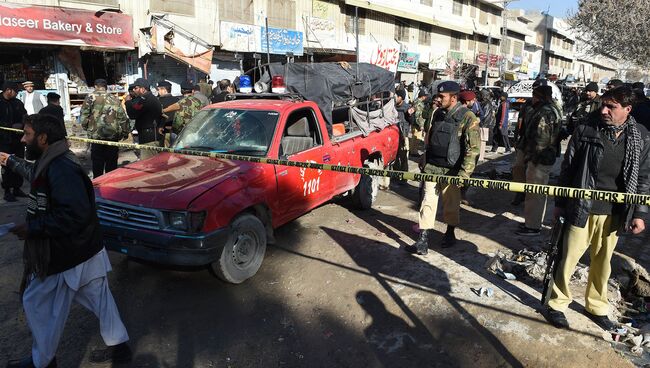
x,y
301,189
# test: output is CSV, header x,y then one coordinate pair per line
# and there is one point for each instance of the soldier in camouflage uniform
x,y
417,129
103,116
541,133
590,105
185,109
453,143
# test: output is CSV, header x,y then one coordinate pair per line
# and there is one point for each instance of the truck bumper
x,y
164,248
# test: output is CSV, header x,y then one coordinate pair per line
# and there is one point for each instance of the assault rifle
x,y
553,258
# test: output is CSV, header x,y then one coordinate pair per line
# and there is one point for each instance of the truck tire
x,y
243,254
365,192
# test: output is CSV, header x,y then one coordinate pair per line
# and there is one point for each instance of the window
x,y
282,13
457,8
238,11
518,48
301,133
115,3
471,44
483,15
426,2
472,8
185,7
425,34
349,20
506,45
402,30
454,43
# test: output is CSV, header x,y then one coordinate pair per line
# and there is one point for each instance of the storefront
x,y
64,50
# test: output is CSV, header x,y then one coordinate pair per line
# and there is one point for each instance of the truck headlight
x,y
178,220
191,222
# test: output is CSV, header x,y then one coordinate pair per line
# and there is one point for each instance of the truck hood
x,y
166,181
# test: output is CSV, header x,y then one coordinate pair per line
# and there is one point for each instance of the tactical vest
x,y
444,146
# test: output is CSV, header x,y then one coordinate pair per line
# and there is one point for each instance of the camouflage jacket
x,y
190,105
103,116
542,127
420,114
584,109
470,141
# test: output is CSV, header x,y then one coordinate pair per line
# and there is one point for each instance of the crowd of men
x,y
608,150
448,130
151,119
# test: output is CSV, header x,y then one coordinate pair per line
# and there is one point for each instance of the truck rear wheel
x,y
243,254
366,191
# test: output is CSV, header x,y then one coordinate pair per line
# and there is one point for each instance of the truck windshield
x,y
230,131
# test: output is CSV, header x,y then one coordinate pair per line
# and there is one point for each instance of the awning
x,y
48,25
170,39
367,4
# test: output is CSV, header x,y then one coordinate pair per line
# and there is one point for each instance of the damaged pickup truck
x,y
191,210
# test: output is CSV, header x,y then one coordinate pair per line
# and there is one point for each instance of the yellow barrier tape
x,y
549,190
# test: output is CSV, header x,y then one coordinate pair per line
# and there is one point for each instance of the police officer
x,y
452,149
420,118
542,128
166,99
145,109
591,104
104,119
185,109
404,118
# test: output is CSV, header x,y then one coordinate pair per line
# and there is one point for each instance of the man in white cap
x,y
33,101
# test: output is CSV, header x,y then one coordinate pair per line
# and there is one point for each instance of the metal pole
x,y
356,32
505,38
487,59
268,44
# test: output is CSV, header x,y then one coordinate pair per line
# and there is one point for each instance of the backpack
x,y
444,149
107,119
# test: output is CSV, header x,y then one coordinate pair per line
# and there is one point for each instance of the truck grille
x,y
130,216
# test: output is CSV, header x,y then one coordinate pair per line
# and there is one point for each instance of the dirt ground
x,y
338,291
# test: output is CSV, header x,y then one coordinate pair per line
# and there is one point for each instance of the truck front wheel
x,y
365,192
243,254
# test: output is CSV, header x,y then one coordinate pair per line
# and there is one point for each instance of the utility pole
x,y
504,30
487,59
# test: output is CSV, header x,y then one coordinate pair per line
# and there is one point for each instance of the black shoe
x,y
28,363
603,322
421,246
556,318
19,193
9,197
449,240
519,198
118,354
526,231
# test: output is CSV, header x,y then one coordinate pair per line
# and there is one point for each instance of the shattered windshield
x,y
229,131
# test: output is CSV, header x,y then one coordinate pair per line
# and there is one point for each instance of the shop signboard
x,y
438,61
281,41
482,57
516,60
408,62
322,32
240,37
385,56
65,26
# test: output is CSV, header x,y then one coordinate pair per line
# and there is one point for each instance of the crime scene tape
x,y
548,190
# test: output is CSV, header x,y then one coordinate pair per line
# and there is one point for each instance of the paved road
x,y
336,291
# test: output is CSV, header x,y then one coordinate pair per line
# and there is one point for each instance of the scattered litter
x,y
484,291
581,275
506,275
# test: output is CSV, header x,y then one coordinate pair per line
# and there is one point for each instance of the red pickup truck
x,y
191,210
